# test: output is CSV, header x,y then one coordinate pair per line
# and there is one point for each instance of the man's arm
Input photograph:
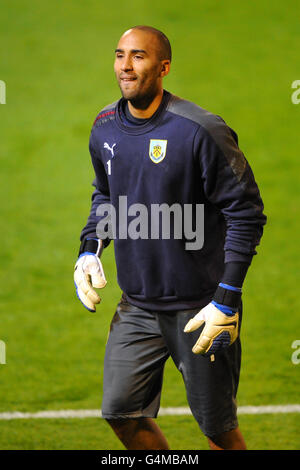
x,y
90,229
228,184
100,195
88,271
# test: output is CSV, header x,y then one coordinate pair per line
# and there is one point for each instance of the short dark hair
x,y
165,51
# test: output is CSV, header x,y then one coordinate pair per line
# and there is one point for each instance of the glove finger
x,y
86,302
202,344
97,274
210,342
86,288
93,296
98,280
194,323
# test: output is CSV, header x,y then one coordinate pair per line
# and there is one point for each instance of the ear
x,y
165,67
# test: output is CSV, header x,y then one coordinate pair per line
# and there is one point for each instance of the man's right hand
x,y
89,273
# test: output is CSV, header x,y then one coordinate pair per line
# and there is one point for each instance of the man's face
x,y
137,66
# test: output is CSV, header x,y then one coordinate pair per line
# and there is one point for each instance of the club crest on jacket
x,y
157,150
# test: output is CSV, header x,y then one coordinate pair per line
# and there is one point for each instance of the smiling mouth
x,y
128,79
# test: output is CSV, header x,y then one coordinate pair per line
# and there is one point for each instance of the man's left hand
x,y
220,329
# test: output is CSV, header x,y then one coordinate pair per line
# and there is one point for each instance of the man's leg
x,y
133,373
139,434
231,440
211,385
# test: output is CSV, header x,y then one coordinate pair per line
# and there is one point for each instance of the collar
x,y
146,126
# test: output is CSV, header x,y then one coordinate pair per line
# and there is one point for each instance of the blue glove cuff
x,y
86,253
227,286
227,310
227,298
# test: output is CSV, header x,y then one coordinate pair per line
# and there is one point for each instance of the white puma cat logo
x,y
111,149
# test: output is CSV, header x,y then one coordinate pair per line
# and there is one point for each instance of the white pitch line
x,y
176,411
242,410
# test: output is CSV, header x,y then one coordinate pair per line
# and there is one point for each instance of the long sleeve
x,y
230,186
99,196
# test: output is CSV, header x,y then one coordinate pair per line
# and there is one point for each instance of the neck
x,y
145,112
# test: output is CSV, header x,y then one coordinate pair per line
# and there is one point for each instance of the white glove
x,y
220,330
89,273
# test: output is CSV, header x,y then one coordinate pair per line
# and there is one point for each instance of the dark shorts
x,y
138,346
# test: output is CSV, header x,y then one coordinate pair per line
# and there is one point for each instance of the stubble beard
x,y
140,99
143,101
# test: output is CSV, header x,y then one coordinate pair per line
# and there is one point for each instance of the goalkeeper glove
x,y
89,273
221,321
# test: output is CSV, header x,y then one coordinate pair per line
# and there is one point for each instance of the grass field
x,y
235,59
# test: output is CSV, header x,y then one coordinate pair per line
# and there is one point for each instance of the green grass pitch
x,y
236,59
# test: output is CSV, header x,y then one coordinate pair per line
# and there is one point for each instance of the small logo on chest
x,y
157,150
111,149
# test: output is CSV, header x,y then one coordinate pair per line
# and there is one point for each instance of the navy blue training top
x,y
182,155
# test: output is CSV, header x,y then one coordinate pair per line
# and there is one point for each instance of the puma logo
x,y
111,149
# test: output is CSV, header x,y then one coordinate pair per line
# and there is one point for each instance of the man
x,y
154,150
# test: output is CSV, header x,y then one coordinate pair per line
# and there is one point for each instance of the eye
x,y
138,57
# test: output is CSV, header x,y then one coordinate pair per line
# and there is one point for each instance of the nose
x,y
126,64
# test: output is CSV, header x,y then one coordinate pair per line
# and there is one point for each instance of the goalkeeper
x,y
155,148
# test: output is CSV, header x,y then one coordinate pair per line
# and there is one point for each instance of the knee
x,y
116,423
123,427
230,440
128,426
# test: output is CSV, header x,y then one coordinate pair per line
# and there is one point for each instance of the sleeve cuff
x,y
237,257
